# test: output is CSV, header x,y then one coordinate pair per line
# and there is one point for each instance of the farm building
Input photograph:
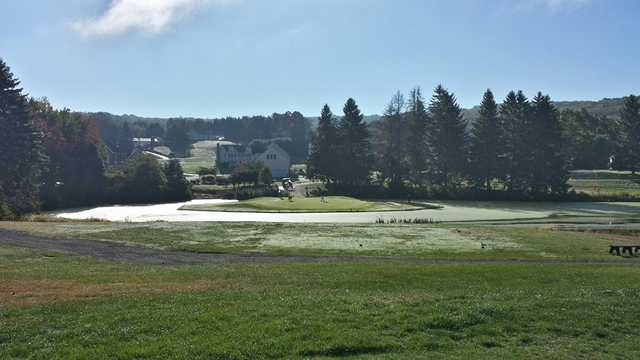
x,y
228,156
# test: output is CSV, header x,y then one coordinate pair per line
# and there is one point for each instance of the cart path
x,y
136,254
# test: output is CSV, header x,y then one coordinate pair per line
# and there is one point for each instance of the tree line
x,y
56,159
290,130
520,148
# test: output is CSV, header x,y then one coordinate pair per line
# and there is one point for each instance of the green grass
x,y
203,154
301,204
424,241
72,307
596,187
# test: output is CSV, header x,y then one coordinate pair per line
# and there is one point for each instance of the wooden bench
x,y
619,250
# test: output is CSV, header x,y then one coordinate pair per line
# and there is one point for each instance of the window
x,y
271,156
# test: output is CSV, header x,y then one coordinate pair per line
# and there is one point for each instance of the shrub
x,y
5,213
178,188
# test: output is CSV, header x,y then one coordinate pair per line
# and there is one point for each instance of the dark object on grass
x,y
619,250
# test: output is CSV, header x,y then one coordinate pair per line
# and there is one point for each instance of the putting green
x,y
313,204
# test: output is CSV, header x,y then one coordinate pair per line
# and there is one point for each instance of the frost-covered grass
x,y
426,241
304,204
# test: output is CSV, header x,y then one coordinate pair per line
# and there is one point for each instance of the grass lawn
x,y
423,241
203,154
311,204
619,187
607,183
60,306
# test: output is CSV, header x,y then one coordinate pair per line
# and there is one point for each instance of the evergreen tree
x,y
448,140
548,171
393,160
630,123
354,152
178,188
323,160
486,143
21,155
417,146
516,127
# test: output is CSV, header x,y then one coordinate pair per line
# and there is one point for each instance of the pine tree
x,y
630,123
448,140
393,159
354,149
486,143
417,146
21,155
516,127
549,167
323,160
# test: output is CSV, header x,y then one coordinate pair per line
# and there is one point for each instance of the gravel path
x,y
118,252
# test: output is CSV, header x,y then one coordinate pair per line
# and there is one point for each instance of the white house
x,y
274,157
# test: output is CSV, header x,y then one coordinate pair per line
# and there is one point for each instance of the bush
x,y
208,180
142,180
5,213
178,188
203,171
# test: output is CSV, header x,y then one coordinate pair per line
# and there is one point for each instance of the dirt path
x,y
118,252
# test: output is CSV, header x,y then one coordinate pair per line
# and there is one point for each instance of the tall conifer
x,y
323,160
548,166
21,155
448,140
354,149
486,143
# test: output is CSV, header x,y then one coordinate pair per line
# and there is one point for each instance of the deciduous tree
x,y
630,122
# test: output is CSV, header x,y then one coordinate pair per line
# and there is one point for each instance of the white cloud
x,y
152,16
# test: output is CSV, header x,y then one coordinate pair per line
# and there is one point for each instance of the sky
x,y
214,58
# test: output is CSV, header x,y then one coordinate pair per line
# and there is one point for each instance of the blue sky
x,y
211,58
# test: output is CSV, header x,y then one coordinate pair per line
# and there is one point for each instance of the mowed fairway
x,y
605,183
303,204
516,305
203,154
60,306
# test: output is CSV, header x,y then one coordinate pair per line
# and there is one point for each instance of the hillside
x,y
605,107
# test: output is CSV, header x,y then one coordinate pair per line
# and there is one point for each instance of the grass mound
x,y
313,204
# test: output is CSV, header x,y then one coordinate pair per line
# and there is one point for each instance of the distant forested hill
x,y
604,107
